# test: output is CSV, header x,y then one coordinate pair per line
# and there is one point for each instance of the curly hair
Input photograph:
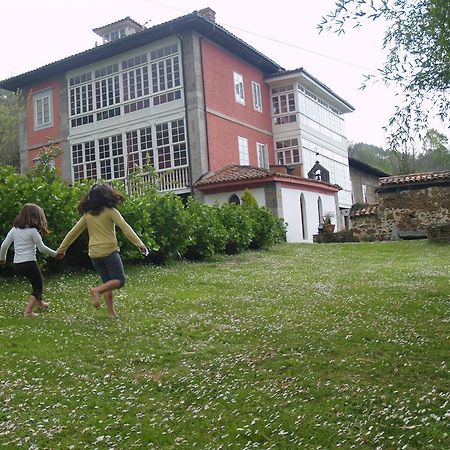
x,y
100,196
32,216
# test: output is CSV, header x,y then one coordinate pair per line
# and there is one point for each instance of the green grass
x,y
304,346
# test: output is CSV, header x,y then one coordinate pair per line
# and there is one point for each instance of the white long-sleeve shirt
x,y
25,242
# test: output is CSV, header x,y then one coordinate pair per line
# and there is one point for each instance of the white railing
x,y
166,180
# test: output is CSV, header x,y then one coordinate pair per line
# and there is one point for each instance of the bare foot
x,y
112,316
95,297
43,305
30,314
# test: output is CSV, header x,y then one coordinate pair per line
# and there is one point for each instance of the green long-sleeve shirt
x,y
102,233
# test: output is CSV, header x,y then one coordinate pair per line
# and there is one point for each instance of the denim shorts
x,y
110,268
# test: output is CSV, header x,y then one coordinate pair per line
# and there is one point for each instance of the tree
x,y
9,129
436,152
417,41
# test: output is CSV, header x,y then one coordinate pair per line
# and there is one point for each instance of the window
x,y
83,161
261,153
43,110
364,193
243,151
171,149
282,107
239,88
166,74
234,200
111,157
139,148
127,86
257,99
287,152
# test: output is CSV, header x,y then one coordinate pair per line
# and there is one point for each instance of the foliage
x,y
248,199
328,218
238,225
432,155
58,200
267,229
417,41
207,233
9,128
261,350
170,222
168,228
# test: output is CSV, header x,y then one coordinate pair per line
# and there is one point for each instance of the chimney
x,y
208,13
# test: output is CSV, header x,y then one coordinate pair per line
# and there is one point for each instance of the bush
x,y
58,200
170,223
238,226
207,233
267,229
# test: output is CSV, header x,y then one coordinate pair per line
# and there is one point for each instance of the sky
x,y
45,31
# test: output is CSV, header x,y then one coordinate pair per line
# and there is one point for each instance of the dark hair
x,y
32,216
100,196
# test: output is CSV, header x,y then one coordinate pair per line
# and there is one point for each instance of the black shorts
x,y
110,268
30,269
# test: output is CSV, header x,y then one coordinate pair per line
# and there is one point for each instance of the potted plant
x,y
328,226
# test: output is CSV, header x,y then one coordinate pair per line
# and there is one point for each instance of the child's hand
x,y
2,261
60,255
144,250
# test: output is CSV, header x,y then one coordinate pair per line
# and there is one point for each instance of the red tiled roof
x,y
366,210
426,177
235,174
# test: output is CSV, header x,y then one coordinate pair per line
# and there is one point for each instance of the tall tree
x,y
435,154
9,129
417,41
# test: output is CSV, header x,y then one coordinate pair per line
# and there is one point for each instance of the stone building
x,y
364,178
408,205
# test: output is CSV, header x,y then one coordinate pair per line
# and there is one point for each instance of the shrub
x,y
58,200
238,226
170,223
208,235
267,229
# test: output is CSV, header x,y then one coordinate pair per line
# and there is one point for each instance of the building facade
x,y
187,98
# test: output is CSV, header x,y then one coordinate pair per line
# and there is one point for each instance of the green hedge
x,y
168,227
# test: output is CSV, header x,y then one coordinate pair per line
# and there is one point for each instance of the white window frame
x,y
257,97
239,93
262,154
39,100
244,159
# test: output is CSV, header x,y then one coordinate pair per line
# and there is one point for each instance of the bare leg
x,y
102,289
110,304
32,302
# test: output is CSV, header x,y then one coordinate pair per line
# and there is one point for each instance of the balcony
x,y
167,180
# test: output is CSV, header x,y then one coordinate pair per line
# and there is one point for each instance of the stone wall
x,y
403,214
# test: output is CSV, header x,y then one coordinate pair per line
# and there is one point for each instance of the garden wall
x,y
402,213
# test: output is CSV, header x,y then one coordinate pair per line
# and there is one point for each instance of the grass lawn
x,y
301,347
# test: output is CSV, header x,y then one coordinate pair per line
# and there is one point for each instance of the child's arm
x,y
37,239
5,246
127,230
71,236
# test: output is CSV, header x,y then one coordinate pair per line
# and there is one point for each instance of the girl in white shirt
x,y
26,236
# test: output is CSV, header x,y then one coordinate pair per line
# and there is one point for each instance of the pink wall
x,y
241,120
40,138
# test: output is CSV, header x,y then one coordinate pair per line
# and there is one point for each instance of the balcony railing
x,y
166,180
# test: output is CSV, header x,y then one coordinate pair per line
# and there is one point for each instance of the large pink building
x,y
210,113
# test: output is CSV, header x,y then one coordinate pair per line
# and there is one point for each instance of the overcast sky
x,y
36,33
